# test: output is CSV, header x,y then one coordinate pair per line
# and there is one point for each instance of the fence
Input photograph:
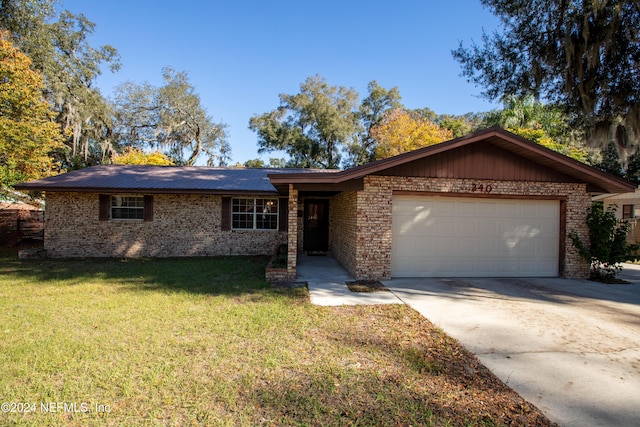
x,y
18,224
633,235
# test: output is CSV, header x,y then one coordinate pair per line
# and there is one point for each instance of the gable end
x,y
482,160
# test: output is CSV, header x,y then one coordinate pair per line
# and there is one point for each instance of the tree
x,y
135,156
254,163
313,126
259,163
169,118
544,124
400,131
632,174
58,44
277,162
539,136
27,132
526,112
582,55
460,125
611,160
372,110
607,246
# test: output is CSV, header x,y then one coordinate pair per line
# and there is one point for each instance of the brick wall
x,y
373,230
183,225
342,229
292,241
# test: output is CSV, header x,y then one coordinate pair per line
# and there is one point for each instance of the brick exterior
x,y
360,235
361,222
343,225
182,225
292,240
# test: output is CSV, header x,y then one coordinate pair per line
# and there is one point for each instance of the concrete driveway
x,y
570,347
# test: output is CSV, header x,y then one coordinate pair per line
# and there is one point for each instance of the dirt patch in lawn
x,y
367,286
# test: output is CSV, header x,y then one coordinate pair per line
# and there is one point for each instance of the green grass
x,y
181,342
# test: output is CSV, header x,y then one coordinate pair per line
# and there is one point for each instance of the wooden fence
x,y
18,224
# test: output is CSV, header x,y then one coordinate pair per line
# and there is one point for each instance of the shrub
x,y
608,245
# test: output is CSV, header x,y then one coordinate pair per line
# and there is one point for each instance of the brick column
x,y
292,255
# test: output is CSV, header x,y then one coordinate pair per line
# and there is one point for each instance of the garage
x,y
489,204
474,237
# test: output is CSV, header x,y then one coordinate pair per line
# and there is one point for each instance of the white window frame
x,y
116,202
236,210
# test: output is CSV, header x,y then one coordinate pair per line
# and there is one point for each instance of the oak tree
x,y
169,118
313,127
581,55
372,110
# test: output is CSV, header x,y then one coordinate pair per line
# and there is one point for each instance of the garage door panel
x,y
466,209
486,209
442,237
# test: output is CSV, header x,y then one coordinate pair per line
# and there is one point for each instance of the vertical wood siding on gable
x,y
478,161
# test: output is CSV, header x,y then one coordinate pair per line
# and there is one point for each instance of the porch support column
x,y
292,236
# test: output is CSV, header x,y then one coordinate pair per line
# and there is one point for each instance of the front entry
x,y
316,226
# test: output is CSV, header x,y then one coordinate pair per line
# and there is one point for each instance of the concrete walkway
x,y
630,273
326,280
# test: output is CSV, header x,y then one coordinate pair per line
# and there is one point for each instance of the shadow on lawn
x,y
233,275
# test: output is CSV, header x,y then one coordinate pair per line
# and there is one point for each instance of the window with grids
x,y
254,214
127,207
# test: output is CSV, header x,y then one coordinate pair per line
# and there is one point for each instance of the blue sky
x,y
240,55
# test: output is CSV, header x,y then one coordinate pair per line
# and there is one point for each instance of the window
x,y
254,214
127,207
627,212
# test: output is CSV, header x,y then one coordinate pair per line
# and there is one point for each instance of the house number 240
x,y
483,188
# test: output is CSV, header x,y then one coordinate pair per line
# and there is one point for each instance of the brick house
x,y
487,204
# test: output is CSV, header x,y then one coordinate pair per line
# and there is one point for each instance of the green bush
x,y
608,245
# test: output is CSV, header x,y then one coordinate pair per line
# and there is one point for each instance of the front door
x,y
316,226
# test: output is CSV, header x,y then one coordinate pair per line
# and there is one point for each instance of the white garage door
x,y
466,237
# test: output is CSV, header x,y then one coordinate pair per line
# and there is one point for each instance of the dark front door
x,y
316,226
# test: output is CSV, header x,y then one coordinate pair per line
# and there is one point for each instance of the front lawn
x,y
181,342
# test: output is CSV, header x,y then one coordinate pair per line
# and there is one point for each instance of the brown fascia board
x,y
493,135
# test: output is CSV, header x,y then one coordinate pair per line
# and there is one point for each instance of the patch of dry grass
x,y
367,286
